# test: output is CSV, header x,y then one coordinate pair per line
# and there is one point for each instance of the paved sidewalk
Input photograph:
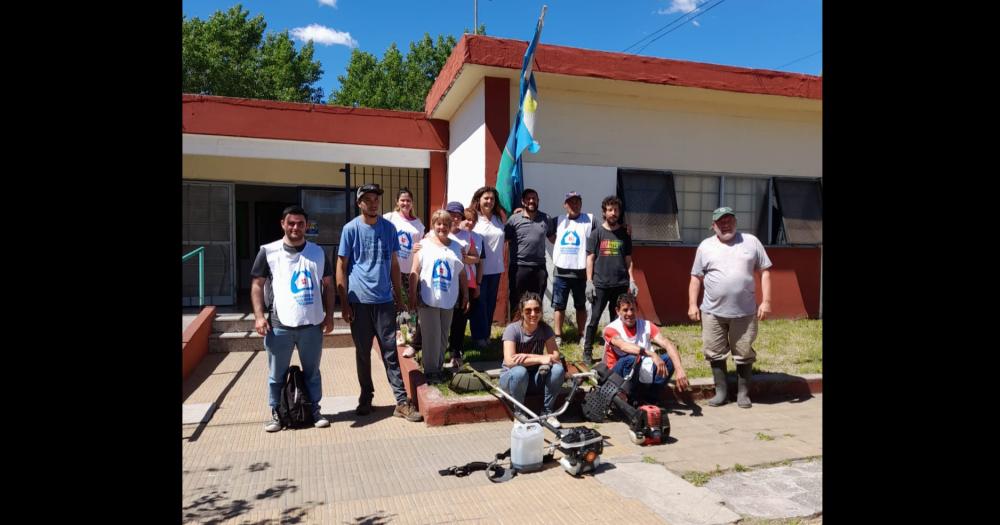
x,y
380,469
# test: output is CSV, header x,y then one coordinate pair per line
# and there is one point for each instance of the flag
x,y
510,175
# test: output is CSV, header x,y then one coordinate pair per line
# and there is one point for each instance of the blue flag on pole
x,y
510,175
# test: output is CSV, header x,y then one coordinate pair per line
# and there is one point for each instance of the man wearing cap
x,y
368,283
569,254
726,263
525,233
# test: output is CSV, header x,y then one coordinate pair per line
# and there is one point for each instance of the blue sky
x,y
766,34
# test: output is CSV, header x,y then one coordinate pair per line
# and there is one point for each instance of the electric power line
x,y
798,59
682,25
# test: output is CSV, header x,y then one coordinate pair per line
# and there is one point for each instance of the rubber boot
x,y
743,392
721,391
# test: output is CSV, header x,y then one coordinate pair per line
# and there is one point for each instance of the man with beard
x,y
525,233
295,277
368,283
726,263
609,269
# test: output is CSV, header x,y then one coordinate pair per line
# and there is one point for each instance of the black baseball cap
x,y
369,188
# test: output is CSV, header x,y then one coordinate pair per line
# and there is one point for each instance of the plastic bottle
x,y
526,443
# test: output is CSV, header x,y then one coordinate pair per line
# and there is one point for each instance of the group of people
x,y
451,274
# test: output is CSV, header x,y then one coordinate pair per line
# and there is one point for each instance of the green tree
x,y
395,81
229,55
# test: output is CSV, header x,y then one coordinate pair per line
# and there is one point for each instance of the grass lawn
x,y
792,347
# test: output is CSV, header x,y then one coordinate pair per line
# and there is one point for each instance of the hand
x,y
518,359
518,210
465,304
347,312
681,379
261,326
399,304
328,323
415,249
633,289
590,292
474,293
628,229
413,304
661,367
763,309
694,313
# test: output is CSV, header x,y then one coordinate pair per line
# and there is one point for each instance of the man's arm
x,y
414,277
693,288
328,302
765,284
261,325
680,376
397,283
346,311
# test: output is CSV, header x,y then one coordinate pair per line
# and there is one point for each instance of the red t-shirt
x,y
610,357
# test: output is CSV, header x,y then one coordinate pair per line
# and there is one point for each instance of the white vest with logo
x,y
296,282
409,233
440,267
570,249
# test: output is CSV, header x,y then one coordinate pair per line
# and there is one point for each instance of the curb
x,y
440,410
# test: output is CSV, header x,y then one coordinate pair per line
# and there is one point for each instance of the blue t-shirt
x,y
369,251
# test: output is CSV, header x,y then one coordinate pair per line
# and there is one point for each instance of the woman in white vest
x,y
409,231
569,254
438,276
490,225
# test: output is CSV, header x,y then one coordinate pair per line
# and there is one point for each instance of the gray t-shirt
x,y
728,271
527,344
527,238
262,269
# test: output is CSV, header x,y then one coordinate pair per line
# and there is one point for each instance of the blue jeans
x,y
278,343
650,393
519,380
481,318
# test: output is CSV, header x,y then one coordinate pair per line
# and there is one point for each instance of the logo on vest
x,y
569,243
302,287
442,275
405,244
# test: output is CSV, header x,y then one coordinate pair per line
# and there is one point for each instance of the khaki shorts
x,y
722,335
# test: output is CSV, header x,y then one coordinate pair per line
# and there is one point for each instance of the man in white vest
x,y
569,254
297,279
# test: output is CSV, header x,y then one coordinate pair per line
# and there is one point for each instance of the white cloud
x,y
331,3
681,6
323,35
696,23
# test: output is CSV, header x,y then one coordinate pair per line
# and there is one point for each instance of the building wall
x,y
262,171
664,273
467,136
612,129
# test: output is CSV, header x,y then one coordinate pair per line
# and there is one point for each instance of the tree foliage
x,y
230,55
396,81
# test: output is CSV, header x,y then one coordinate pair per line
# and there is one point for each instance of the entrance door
x,y
208,222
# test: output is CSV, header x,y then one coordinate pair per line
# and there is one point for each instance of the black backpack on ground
x,y
295,407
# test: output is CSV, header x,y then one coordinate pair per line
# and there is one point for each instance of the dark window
x,y
800,205
649,205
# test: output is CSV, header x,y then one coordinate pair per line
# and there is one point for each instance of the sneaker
x,y
405,410
274,424
558,340
319,421
363,409
456,363
409,352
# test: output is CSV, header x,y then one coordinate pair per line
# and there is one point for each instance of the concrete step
x,y
250,341
244,322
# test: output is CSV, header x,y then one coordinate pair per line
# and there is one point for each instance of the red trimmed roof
x,y
506,53
268,119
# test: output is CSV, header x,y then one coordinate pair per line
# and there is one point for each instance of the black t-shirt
x,y
527,238
611,248
262,269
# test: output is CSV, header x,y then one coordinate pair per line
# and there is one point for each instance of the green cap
x,y
718,213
